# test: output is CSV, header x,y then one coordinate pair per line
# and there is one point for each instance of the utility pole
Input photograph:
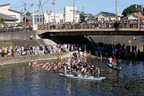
x,y
116,9
54,10
138,15
83,9
73,10
48,13
25,13
139,18
142,9
33,15
21,15
39,12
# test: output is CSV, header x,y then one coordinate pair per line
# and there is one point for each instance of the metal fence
x,y
16,29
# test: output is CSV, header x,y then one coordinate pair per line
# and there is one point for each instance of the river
x,y
22,80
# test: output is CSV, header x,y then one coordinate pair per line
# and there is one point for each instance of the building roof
x,y
8,18
9,9
5,5
14,11
108,14
90,17
136,14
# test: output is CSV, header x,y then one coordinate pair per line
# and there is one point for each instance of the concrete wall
x,y
16,35
21,59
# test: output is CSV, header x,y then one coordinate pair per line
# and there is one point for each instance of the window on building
x,y
37,19
97,18
109,18
102,19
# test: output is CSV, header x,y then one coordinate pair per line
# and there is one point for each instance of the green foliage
x,y
131,9
82,17
2,20
28,13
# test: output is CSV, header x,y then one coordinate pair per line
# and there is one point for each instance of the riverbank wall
x,y
22,59
122,39
21,35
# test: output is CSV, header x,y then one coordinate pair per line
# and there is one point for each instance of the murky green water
x,y
22,80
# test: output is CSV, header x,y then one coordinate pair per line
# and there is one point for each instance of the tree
x,y
2,20
131,9
82,17
28,13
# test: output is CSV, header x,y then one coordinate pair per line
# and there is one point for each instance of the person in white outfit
x,y
110,60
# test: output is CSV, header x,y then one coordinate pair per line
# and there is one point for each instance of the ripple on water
x,y
20,79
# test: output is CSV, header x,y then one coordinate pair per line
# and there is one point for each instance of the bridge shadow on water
x,y
70,39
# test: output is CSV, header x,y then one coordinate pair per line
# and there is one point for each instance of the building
x,y
68,14
15,16
90,19
134,16
29,20
8,19
45,18
65,16
103,16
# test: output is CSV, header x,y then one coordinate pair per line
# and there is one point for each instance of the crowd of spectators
x,y
32,50
95,25
97,49
80,25
17,28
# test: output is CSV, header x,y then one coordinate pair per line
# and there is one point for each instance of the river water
x,y
22,80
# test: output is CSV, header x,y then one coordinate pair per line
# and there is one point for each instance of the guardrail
x,y
15,29
89,26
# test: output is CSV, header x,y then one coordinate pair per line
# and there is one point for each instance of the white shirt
x,y
110,60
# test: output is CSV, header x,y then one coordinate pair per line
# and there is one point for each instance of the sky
x,y
89,6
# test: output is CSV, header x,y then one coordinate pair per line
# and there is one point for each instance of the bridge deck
x,y
124,31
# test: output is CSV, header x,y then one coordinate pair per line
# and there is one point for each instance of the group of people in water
x,y
77,66
114,62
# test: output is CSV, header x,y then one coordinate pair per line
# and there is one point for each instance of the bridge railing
x,y
90,26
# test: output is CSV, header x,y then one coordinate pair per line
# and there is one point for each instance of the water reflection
x,y
21,79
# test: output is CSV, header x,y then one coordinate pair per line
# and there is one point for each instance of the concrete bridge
x,y
82,32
